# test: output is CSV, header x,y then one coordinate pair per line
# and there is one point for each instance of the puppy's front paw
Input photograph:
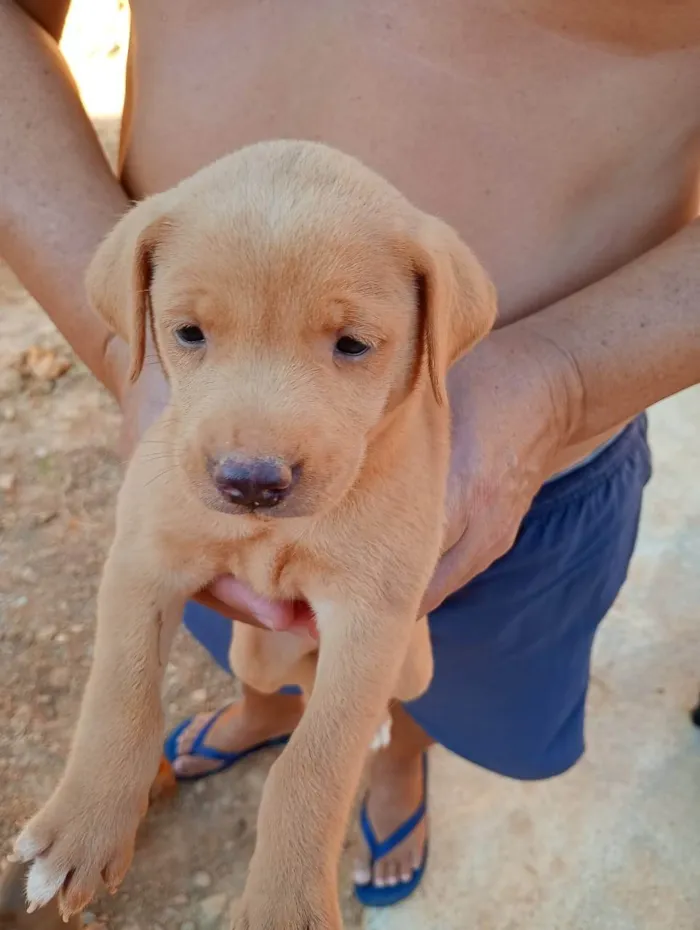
x,y
274,915
80,837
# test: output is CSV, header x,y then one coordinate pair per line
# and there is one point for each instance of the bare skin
x,y
562,140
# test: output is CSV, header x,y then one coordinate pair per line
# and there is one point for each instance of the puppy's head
x,y
296,300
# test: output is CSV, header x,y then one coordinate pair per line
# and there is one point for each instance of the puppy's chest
x,y
277,568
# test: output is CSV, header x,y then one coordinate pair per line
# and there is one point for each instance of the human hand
x,y
141,404
511,400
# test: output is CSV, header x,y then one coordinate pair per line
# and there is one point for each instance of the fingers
x,y
236,601
225,609
247,605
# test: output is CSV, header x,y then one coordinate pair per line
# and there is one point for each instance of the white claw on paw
x,y
43,884
382,737
26,848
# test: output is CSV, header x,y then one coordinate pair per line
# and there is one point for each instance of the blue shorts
x,y
513,647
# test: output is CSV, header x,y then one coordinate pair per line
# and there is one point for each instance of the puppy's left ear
x,y
457,301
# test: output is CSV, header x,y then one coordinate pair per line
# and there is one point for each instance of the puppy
x,y
306,316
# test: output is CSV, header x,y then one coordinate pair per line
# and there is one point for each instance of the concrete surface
x,y
614,844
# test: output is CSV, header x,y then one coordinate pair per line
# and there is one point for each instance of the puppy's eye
x,y
191,337
352,348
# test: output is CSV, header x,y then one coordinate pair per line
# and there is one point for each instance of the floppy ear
x,y
119,277
457,300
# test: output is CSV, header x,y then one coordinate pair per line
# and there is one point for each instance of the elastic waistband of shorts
x,y
599,464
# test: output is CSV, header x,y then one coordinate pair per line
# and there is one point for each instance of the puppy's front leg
x,y
309,793
87,829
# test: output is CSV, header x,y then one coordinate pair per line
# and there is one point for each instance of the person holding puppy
x,y
562,141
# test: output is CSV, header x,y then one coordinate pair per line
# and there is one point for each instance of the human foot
x,y
395,798
237,728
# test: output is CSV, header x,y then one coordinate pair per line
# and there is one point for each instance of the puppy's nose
x,y
256,483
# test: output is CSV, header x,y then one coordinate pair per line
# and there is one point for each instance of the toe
x,y
362,870
78,890
384,873
186,739
33,841
115,870
44,880
187,766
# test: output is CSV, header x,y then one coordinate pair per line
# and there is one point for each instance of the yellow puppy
x,y
306,316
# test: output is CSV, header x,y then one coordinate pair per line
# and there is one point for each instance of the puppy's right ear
x,y
118,279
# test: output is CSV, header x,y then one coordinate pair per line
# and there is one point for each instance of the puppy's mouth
x,y
267,505
259,510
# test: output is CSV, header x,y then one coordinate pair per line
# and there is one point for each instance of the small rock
x,y
10,382
59,678
21,601
180,900
77,627
43,517
201,880
188,925
41,453
8,413
8,480
199,787
89,917
46,632
200,695
43,364
28,574
212,907
61,638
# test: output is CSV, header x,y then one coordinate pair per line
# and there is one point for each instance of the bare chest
x,y
561,139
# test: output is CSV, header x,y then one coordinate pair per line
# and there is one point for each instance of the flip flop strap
x,y
381,849
209,752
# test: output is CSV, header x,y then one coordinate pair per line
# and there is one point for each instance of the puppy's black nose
x,y
253,484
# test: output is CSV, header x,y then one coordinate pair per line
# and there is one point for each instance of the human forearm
x,y
532,391
625,342
58,195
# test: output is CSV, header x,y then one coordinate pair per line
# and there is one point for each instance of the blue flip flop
x,y
369,894
227,759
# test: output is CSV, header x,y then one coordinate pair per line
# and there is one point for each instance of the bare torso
x,y
560,137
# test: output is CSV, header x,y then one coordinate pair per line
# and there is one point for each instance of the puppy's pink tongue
x,y
275,615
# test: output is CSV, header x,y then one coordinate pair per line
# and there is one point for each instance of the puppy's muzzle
x,y
253,483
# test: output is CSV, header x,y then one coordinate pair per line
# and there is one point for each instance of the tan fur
x,y
274,251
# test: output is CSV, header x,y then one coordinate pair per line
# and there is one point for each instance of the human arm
x,y
58,194
564,375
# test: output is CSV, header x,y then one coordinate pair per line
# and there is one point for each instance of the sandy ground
x,y
613,845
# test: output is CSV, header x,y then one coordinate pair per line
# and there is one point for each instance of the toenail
x,y
379,883
392,881
406,877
